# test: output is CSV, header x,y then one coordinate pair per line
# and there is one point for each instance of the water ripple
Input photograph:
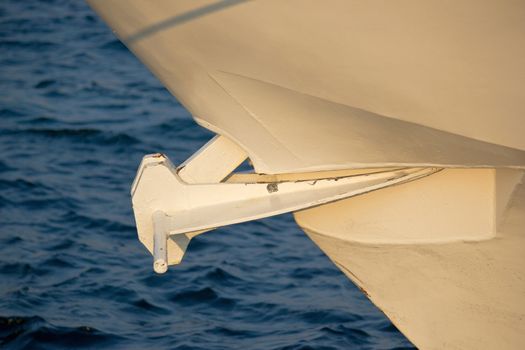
x,y
35,333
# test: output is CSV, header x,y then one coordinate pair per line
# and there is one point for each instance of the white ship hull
x,y
302,87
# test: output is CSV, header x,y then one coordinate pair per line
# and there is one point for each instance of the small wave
x,y
203,297
200,296
61,132
309,273
33,45
57,93
21,270
14,22
39,121
57,262
143,87
115,106
22,184
36,333
231,332
90,18
219,275
4,167
57,246
303,345
31,194
117,293
328,316
79,135
45,83
349,334
6,112
144,305
95,224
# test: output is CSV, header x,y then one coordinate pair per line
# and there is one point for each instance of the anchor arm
x,y
169,211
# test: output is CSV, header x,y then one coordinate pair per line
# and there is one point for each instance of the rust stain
x,y
364,291
272,187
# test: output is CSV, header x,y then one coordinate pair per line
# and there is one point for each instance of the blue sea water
x,y
77,113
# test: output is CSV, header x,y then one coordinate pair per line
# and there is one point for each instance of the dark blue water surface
x,y
77,113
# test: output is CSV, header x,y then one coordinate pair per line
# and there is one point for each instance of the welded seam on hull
x,y
254,117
